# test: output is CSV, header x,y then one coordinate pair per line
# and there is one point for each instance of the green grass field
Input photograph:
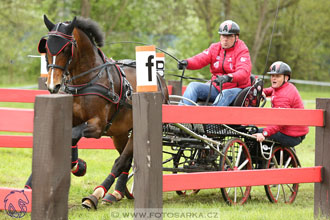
x,y
15,167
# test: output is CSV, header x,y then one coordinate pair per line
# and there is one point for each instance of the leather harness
x,y
93,87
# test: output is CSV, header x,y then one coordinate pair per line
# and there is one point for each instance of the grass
x,y
16,167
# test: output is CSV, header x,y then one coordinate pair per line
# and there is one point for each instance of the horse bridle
x,y
70,41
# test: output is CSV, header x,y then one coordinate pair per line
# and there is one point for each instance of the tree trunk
x,y
85,8
116,19
265,20
203,9
227,6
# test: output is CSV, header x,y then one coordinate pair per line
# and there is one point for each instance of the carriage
x,y
101,89
189,148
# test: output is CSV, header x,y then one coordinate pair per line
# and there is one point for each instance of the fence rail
x,y
219,115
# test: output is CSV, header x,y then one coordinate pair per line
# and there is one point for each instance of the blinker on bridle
x,y
55,44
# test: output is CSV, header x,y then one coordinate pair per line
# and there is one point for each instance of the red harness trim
x,y
121,84
100,95
69,37
97,95
59,50
75,162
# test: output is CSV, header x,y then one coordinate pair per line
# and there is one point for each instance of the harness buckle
x,y
115,98
100,74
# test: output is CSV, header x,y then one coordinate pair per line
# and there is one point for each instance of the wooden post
x,y
176,87
147,145
51,156
322,154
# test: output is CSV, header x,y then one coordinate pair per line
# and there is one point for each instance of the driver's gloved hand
x,y
222,79
182,64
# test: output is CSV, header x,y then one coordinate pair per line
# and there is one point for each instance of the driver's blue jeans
x,y
227,97
199,91
284,140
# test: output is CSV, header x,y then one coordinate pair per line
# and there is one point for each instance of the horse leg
x,y
28,184
121,168
119,191
122,164
78,167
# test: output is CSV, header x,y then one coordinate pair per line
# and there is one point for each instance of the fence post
x,y
322,154
147,147
176,87
51,156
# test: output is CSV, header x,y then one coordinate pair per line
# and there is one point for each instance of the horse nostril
x,y
57,88
53,89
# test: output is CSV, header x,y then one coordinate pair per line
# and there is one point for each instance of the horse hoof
x,y
89,202
109,199
112,198
81,168
128,194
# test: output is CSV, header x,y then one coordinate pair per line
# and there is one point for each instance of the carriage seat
x,y
250,96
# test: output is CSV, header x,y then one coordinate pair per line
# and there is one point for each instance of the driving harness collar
x,y
55,44
108,93
95,88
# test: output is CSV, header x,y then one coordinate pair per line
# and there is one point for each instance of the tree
x,y
183,28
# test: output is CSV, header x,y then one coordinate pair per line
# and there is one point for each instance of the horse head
x,y
59,51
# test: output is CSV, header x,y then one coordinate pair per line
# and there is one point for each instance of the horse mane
x,y
91,29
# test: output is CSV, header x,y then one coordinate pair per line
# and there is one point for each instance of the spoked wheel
x,y
282,157
130,186
236,157
187,192
184,192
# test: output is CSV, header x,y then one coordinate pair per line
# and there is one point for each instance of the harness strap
x,y
99,90
108,125
102,66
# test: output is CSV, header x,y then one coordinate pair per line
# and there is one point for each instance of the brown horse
x,y
102,96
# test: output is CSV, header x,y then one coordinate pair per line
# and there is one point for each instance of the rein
x,y
92,87
270,41
133,42
102,67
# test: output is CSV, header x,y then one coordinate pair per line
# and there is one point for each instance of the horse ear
x,y
71,25
48,23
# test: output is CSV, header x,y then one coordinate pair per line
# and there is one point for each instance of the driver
x,y
230,65
283,95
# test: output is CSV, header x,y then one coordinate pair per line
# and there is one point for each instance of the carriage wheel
x,y
185,192
282,157
238,158
130,186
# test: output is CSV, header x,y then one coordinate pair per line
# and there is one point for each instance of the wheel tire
x,y
285,158
242,161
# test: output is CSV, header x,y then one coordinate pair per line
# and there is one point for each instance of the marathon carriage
x,y
191,148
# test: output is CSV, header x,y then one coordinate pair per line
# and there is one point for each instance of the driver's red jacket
x,y
234,60
286,96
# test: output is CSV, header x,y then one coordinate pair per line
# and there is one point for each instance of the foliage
x,y
183,28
